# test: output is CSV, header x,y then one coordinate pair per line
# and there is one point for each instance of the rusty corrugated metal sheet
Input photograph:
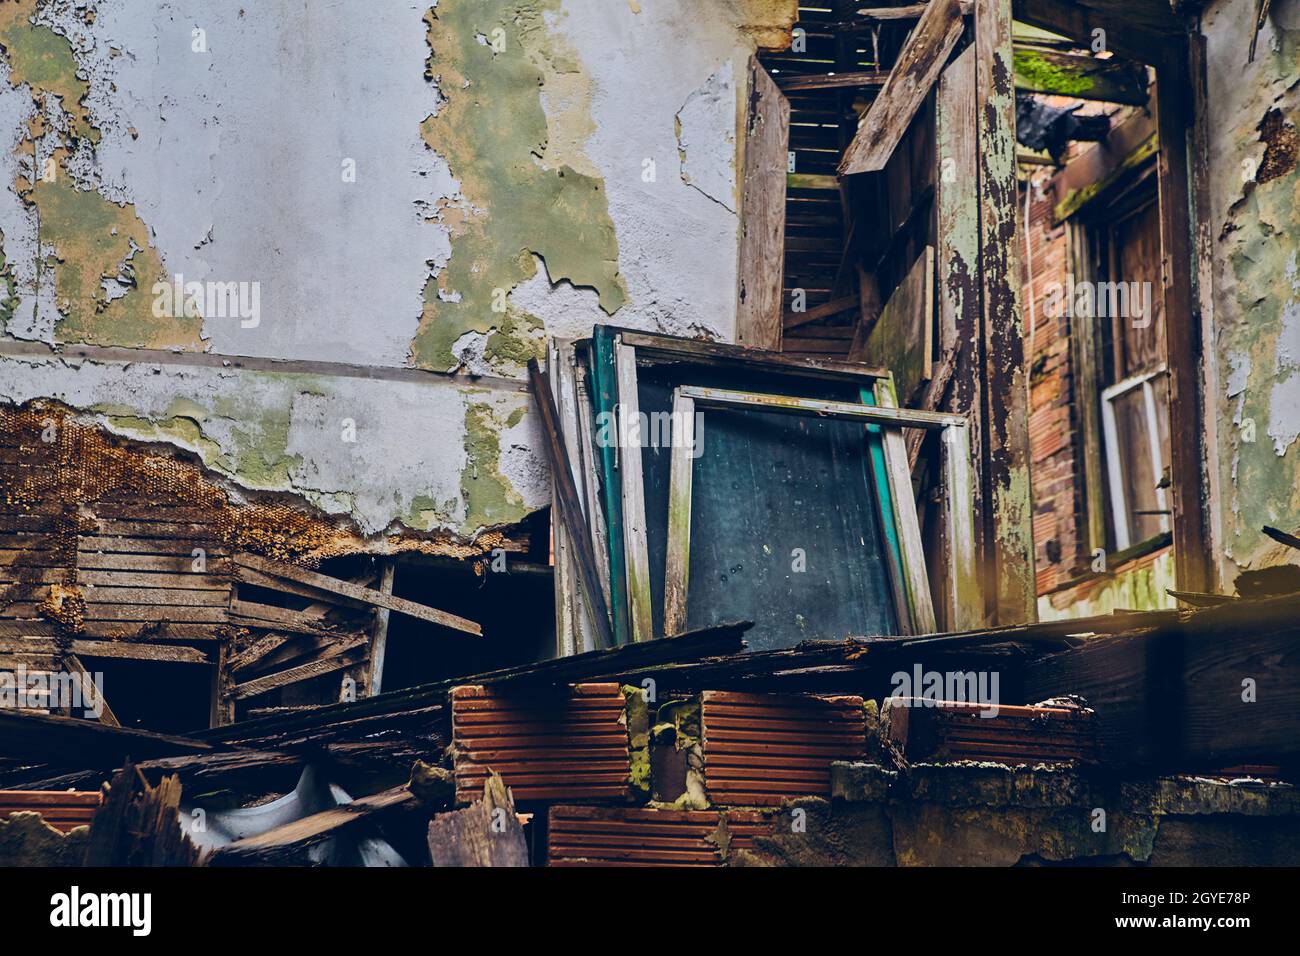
x,y
568,746
609,836
760,749
61,809
946,730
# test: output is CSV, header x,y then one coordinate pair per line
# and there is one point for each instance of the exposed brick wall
x,y
1054,460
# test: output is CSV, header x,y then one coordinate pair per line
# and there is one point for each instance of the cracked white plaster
x,y
706,138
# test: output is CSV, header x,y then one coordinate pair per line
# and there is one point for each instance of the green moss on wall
x,y
1039,73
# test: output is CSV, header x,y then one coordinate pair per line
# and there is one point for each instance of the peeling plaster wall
x,y
435,457
1255,222
431,185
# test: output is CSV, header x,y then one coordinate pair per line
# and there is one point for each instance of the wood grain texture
x,y
901,339
486,833
762,213
1006,394
324,582
922,57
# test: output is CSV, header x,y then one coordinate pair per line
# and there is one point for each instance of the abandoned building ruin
x,y
657,421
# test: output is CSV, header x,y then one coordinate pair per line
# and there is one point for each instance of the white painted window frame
x,y
1115,468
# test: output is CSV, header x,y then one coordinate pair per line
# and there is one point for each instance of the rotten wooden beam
x,y
340,657
794,83
69,741
826,310
90,692
118,650
1010,566
762,202
139,825
919,63
379,634
370,596
486,833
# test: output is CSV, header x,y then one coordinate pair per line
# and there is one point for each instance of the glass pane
x,y
1137,472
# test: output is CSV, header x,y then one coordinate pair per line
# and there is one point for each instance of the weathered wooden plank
x,y
379,633
248,614
345,656
486,833
111,544
348,589
651,346
920,600
919,61
902,337
571,511
172,597
681,472
258,579
155,612
89,692
762,219
1175,698
794,83
286,845
635,542
69,741
956,210
790,405
185,563
116,649
1192,527
965,610
132,579
256,651
1006,412
794,320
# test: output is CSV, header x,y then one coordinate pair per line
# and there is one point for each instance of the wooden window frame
x,y
1187,255
916,614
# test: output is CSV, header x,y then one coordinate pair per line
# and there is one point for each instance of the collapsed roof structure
x,y
778,434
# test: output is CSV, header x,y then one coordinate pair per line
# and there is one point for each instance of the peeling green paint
x,y
8,289
518,338
1257,312
489,60
490,501
93,240
41,58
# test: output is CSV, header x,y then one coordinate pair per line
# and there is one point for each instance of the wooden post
x,y
761,269
1006,397
379,634
1193,569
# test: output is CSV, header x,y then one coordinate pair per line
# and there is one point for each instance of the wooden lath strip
x,y
366,595
919,62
